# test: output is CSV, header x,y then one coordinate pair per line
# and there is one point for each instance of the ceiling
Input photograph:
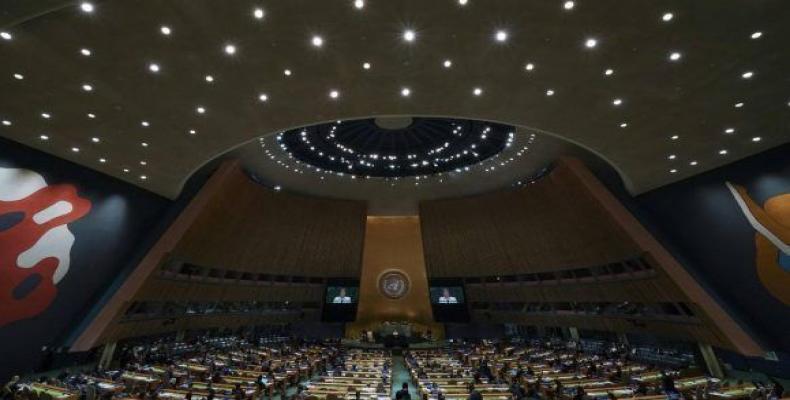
x,y
396,147
662,90
527,156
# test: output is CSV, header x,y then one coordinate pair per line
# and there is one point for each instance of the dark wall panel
x,y
107,219
553,223
703,221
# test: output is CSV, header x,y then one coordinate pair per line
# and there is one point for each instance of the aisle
x,y
400,374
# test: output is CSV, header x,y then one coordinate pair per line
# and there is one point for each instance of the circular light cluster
x,y
427,146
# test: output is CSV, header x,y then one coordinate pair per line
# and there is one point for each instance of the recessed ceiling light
x,y
667,17
209,78
192,132
333,94
448,63
145,123
45,115
462,2
86,7
317,41
126,170
287,72
617,102
693,163
675,56
501,36
409,35
590,43
672,157
165,30
608,72
200,110
19,77
75,149
86,87
143,177
529,66
405,92
153,67
549,92
258,13
143,163
230,49
756,139
91,115
674,137
738,105
263,97
85,52
747,75
5,35
43,137
366,65
102,160
729,130
6,122
624,125
672,171
723,152
95,140
756,35
568,5
144,144
477,91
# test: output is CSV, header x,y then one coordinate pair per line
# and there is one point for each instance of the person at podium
x,y
341,297
447,298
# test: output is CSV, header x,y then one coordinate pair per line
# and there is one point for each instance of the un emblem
x,y
393,284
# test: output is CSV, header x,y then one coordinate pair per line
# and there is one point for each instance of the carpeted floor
x,y
400,374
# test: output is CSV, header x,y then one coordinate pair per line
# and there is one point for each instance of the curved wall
x,y
550,224
248,227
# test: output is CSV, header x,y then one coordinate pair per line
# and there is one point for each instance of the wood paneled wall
x,y
393,243
563,221
248,227
236,224
551,224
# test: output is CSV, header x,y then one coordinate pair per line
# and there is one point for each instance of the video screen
x,y
340,300
341,295
448,301
447,295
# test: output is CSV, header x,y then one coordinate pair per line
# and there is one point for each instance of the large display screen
x,y
448,300
340,300
341,295
447,295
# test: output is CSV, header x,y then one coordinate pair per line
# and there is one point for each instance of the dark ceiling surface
x,y
600,74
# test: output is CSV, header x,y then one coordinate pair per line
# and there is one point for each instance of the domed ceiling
x,y
401,147
344,159
149,91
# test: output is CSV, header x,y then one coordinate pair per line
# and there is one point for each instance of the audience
x,y
232,368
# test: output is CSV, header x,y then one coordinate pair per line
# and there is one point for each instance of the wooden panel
x,y
248,227
551,224
393,244
235,224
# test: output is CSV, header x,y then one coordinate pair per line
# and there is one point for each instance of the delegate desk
x,y
56,392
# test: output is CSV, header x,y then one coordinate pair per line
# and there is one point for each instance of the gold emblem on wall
x,y
393,284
